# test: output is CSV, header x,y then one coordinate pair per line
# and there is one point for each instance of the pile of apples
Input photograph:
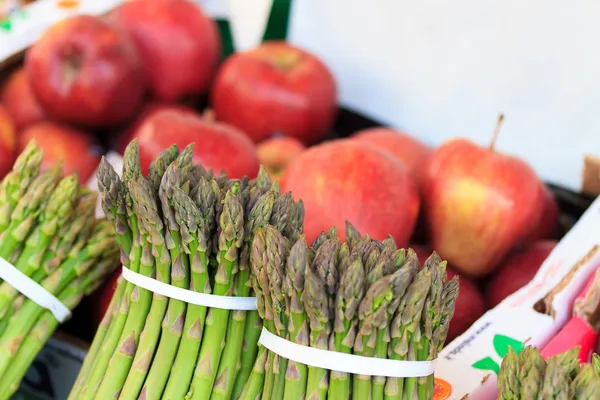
x,y
151,69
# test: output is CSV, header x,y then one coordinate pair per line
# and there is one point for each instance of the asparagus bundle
x,y
186,227
49,233
528,376
361,297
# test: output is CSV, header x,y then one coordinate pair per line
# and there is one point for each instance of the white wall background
x,y
441,69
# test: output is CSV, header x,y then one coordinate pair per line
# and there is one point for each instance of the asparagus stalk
x,y
316,303
349,296
560,372
531,370
405,328
47,324
56,212
277,251
230,240
508,377
397,283
429,320
101,243
298,262
586,385
258,217
16,182
101,333
353,236
118,205
25,214
172,328
596,363
254,387
206,195
159,166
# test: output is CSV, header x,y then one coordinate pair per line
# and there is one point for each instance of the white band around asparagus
x,y
33,291
189,296
350,363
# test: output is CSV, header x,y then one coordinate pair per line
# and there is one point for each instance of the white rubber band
x,y
189,296
33,291
350,363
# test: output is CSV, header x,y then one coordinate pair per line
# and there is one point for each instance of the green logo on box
x,y
501,345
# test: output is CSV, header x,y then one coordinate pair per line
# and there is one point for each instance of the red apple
x,y
408,149
105,294
20,101
517,271
178,44
7,142
127,135
218,146
276,88
346,180
277,153
470,304
86,72
77,150
547,227
479,204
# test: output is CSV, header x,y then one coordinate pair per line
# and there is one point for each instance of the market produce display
x,y
361,297
527,376
184,226
49,233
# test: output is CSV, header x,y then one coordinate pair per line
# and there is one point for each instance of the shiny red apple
x,y
346,180
517,271
218,146
276,88
275,154
409,150
20,101
85,71
470,304
548,223
178,44
77,150
479,204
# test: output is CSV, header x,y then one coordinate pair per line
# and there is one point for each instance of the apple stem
x,y
496,132
209,115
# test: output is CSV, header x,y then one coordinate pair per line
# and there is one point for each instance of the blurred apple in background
x,y
548,224
412,152
470,304
346,180
127,135
86,72
517,271
218,146
479,204
178,44
277,153
276,88
77,150
7,142
20,101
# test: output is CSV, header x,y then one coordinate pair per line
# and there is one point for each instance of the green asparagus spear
x,y
174,320
230,240
397,283
206,195
16,182
353,236
596,363
349,296
560,372
316,303
586,385
531,370
25,214
258,217
298,262
159,165
508,377
52,217
405,328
